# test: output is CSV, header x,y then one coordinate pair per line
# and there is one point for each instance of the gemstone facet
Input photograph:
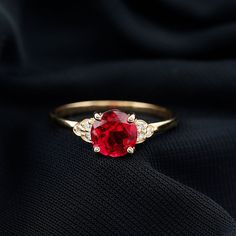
x,y
113,134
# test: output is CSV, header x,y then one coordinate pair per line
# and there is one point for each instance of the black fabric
x,y
179,54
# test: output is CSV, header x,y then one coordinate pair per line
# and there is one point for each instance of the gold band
x,y
167,119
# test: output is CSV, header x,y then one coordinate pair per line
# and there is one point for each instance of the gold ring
x,y
113,132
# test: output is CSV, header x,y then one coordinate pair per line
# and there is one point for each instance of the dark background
x,y
179,54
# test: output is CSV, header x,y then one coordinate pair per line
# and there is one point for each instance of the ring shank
x,y
60,113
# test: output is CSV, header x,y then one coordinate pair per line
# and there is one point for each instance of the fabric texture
x,y
179,54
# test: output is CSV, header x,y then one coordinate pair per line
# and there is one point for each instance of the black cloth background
x,y
179,54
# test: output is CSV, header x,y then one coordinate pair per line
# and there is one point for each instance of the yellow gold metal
x,y
83,127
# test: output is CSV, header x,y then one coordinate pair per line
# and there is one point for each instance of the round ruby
x,y
113,134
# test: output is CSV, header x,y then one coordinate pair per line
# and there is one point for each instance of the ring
x,y
114,132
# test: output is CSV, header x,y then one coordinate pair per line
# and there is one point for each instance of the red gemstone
x,y
113,134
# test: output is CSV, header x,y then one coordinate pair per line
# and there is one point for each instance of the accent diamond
x,y
83,129
144,130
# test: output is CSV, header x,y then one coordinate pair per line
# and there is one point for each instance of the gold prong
x,y
131,118
97,116
96,149
130,150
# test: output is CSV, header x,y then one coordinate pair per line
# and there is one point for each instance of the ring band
x,y
113,132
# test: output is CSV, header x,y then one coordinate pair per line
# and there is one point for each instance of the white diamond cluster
x,y
83,129
144,130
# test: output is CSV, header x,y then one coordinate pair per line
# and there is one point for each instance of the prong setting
x,y
97,116
130,150
131,118
96,149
